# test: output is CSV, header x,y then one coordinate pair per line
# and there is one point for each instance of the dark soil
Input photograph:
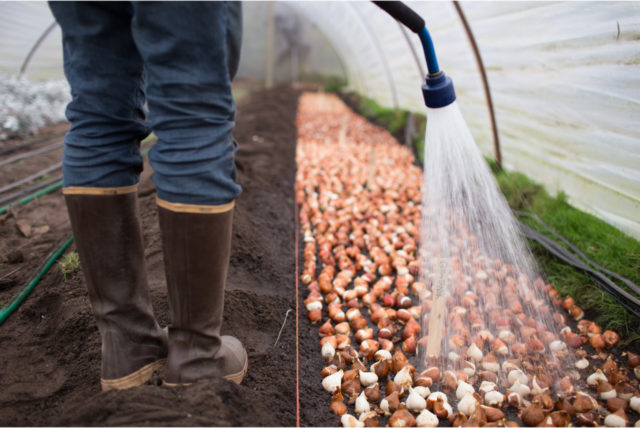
x,y
50,364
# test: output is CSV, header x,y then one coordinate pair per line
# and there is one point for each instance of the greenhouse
x,y
434,220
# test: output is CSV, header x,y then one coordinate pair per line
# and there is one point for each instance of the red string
x,y
297,336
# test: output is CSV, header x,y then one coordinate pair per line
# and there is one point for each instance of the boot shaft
x,y
196,242
108,237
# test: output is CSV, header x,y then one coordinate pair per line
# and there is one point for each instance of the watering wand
x,y
438,88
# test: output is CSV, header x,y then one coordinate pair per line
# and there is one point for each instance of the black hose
x,y
402,13
575,249
623,297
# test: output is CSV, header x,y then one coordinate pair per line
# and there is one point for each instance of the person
x,y
179,59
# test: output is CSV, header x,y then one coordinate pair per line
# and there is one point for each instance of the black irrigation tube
x,y
622,296
32,142
31,153
32,177
34,188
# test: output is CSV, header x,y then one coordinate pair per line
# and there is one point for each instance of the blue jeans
x,y
179,58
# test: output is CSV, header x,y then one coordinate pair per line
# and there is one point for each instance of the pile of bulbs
x,y
359,195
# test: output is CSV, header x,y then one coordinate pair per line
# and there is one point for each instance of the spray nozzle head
x,y
438,90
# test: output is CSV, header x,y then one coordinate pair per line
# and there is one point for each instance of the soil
x,y
50,365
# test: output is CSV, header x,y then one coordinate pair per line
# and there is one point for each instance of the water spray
x,y
483,300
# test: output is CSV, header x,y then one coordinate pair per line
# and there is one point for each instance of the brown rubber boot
x,y
196,241
108,237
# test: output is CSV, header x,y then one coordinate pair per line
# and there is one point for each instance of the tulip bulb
x,y
349,421
373,393
402,418
532,415
634,403
390,403
474,352
582,364
332,382
463,389
369,419
494,398
427,419
605,390
593,378
382,354
423,391
327,351
557,346
403,377
520,388
435,396
616,419
362,404
518,375
536,388
368,378
415,402
467,404
584,403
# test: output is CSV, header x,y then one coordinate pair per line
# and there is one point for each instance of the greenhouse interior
x,y
438,222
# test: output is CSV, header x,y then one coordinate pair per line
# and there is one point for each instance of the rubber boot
x,y
108,237
196,241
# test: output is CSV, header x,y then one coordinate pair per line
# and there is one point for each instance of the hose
x,y
410,19
51,258
437,89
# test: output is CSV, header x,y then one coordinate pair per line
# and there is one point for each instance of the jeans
x,y
179,59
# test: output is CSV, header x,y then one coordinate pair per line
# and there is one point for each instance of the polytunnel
x,y
355,277
563,77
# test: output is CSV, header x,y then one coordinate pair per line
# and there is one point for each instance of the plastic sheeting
x,y
565,78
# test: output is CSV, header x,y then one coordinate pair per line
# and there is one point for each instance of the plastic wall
x,y
565,78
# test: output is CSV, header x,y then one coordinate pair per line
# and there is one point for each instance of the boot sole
x,y
233,377
137,378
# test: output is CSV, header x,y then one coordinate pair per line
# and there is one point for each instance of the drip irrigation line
x,y
30,189
31,143
54,186
623,297
51,258
31,153
576,250
32,177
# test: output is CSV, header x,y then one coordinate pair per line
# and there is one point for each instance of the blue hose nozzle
x,y
438,91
